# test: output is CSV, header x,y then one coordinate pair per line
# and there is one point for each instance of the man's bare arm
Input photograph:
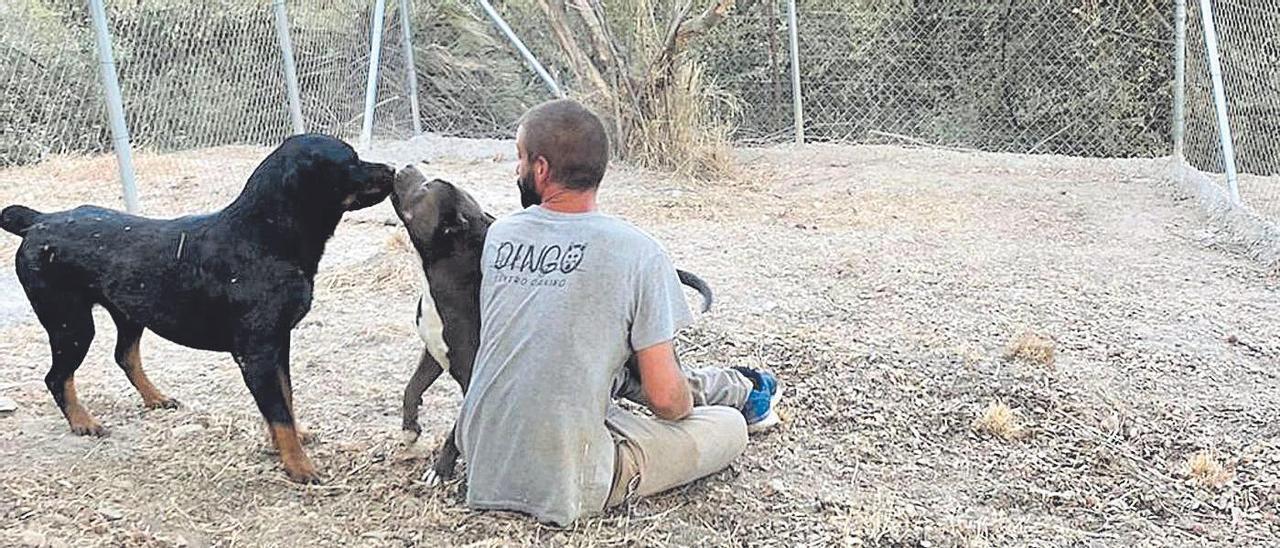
x,y
663,383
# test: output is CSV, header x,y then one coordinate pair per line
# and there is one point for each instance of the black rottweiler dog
x,y
448,227
234,281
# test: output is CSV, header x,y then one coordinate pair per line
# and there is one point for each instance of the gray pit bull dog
x,y
448,227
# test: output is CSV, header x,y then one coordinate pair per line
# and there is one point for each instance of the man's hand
x,y
663,383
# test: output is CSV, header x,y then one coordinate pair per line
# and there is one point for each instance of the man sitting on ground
x,y
568,295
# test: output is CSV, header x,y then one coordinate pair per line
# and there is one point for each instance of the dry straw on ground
x,y
1000,420
398,243
1033,348
1205,468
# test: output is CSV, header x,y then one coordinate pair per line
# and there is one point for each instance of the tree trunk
x,y
583,69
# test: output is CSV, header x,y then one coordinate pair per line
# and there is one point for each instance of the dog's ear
x,y
283,180
455,223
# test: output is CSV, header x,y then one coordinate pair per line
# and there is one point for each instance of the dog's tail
x,y
692,280
17,219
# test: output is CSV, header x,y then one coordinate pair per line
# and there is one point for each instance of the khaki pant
x,y
654,455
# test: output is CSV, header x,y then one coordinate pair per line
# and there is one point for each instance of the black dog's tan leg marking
x,y
129,358
305,436
69,320
428,370
296,462
264,365
82,423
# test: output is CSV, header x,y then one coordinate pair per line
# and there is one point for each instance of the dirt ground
x,y
883,284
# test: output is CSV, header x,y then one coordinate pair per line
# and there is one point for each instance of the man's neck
x,y
570,201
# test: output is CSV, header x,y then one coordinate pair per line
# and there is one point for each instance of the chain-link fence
x,y
1064,77
1076,77
1248,34
50,100
198,74
1058,76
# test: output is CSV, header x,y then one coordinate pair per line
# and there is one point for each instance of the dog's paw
x,y
305,477
438,475
88,427
300,470
432,479
408,437
82,423
162,403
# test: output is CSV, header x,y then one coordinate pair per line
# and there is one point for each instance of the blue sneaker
x,y
764,397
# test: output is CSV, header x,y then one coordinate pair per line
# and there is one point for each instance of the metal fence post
x,y
290,70
410,69
115,106
1179,79
1220,101
797,101
371,86
524,51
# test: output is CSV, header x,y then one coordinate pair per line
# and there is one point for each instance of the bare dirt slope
x,y
883,284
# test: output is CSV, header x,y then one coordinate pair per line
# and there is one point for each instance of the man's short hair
x,y
571,138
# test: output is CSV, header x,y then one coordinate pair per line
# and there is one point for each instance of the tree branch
x,y
579,62
682,29
673,30
600,40
611,58
712,16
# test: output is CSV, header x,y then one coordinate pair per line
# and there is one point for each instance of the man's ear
x,y
541,170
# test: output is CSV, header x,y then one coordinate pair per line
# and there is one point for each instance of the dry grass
x,y
1205,469
681,135
1000,420
398,243
1033,348
667,115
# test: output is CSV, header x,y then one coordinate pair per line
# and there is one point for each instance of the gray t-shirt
x,y
566,299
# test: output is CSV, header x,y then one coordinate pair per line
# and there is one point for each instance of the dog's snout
x,y
404,173
373,176
384,175
407,178
369,184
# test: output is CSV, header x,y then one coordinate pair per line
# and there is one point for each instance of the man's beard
x,y
528,193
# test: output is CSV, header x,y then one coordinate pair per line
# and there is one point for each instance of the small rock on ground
x,y
186,430
111,513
